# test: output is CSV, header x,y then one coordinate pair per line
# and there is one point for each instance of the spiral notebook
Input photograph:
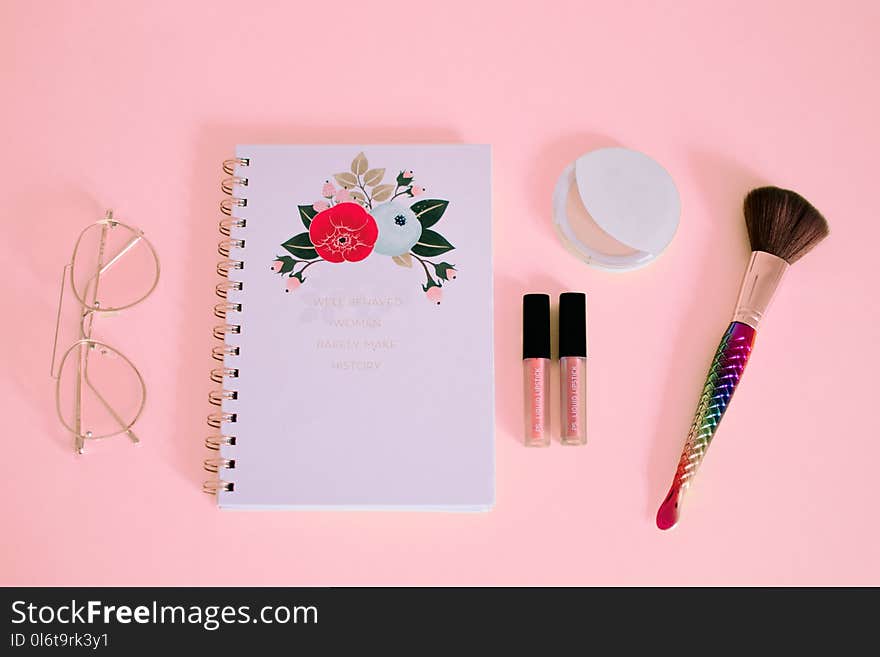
x,y
356,364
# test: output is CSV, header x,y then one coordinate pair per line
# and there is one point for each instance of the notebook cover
x,y
366,350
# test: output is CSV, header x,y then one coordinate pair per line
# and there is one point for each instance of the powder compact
x,y
616,209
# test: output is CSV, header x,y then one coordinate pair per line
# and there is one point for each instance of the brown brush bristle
x,y
783,222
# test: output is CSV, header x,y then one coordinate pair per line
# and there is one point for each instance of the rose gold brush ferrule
x,y
760,281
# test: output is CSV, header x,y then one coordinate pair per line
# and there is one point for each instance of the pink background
x,y
134,105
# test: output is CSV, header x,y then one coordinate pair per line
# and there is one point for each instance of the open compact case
x,y
616,209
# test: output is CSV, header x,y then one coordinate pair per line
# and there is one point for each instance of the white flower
x,y
399,229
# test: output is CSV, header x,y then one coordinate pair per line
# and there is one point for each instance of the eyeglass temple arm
x,y
79,444
58,322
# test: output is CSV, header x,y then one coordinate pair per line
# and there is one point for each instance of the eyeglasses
x,y
99,392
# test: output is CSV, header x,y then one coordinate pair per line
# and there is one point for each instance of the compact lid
x,y
572,324
536,326
629,196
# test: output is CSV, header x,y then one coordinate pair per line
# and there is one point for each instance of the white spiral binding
x,y
224,352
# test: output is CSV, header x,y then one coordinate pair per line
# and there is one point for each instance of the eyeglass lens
x,y
113,267
100,393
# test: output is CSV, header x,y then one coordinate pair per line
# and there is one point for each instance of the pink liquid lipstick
x,y
536,368
572,368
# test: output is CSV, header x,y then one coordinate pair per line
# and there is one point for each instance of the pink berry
x,y
451,274
342,196
328,190
277,265
292,284
407,174
320,206
434,294
417,190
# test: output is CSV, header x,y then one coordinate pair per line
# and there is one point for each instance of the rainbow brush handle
x,y
724,375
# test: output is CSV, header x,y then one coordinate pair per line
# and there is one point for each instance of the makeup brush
x,y
783,227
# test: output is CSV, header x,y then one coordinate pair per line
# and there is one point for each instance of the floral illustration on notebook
x,y
364,217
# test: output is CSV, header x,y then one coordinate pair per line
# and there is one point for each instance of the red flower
x,y
343,232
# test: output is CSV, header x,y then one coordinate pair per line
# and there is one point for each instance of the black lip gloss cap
x,y
536,326
573,324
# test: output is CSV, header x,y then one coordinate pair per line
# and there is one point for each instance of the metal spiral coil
x,y
228,184
230,164
225,266
220,373
214,486
216,397
218,464
224,351
223,309
228,205
222,288
215,442
220,352
220,332
224,247
226,225
217,420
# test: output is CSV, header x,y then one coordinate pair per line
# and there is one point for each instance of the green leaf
x,y
306,213
442,269
429,210
431,244
402,181
300,246
287,263
431,283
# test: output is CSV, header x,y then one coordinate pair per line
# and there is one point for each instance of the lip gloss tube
x,y
536,369
573,367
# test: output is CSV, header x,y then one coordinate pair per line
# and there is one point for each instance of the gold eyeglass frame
x,y
85,344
